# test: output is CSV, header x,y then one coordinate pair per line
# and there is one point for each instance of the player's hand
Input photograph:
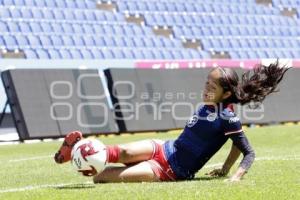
x,y
217,173
232,179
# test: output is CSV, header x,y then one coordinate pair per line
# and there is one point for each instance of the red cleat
x,y
64,153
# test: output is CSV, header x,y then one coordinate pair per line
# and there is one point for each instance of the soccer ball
x,y
88,156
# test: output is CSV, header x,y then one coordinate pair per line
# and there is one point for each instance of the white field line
x,y
288,157
29,158
27,188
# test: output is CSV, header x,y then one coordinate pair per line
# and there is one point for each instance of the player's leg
x,y
132,152
141,172
64,153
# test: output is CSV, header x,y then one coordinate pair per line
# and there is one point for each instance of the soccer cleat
x,y
64,153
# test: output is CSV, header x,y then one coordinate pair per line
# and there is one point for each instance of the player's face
x,y
213,92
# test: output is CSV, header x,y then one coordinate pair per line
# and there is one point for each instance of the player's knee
x,y
126,152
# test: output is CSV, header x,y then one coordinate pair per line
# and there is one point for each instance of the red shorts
x,y
160,165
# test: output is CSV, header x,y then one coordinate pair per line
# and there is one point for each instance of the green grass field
x,y
29,172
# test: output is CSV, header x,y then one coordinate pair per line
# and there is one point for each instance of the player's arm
x,y
230,160
243,145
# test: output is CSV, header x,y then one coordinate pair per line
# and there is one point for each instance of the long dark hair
x,y
256,84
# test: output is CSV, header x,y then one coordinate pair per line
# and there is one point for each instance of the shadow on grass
x,y
75,186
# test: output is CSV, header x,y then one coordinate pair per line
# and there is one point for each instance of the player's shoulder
x,y
229,116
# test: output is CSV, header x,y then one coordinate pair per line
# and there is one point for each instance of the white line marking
x,y
30,187
26,188
29,158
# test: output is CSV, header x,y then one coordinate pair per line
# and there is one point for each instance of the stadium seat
x,y
30,54
54,54
42,54
65,54
46,41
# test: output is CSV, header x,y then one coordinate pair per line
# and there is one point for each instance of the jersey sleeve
x,y
232,125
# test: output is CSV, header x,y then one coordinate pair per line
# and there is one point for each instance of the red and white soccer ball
x,y
88,156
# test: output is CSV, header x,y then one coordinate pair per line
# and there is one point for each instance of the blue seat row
x,y
94,53
270,53
189,7
231,44
217,19
38,41
80,28
197,32
89,4
59,14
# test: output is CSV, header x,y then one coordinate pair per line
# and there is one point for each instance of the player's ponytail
x,y
256,84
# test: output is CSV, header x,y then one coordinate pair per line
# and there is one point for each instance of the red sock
x,y
113,153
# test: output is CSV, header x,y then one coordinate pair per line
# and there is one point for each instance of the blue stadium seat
x,y
22,40
2,43
109,41
128,54
120,42
48,14
58,14
26,13
3,27
138,42
13,26
99,30
88,29
57,28
15,13
19,2
90,4
138,54
80,4
37,14
97,54
117,53
176,54
69,15
86,54
42,54
45,41
60,3
34,41
56,40
10,41
128,30
8,2
107,54
88,41
40,3
167,55
35,27
78,28
78,41
108,29
148,54
75,54
65,54
89,15
99,41
71,4
54,54
67,40
30,54
79,15
148,42
171,7
50,4
67,28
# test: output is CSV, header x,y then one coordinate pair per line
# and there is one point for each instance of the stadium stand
x,y
83,29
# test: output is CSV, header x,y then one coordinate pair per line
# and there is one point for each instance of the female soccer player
x,y
204,134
